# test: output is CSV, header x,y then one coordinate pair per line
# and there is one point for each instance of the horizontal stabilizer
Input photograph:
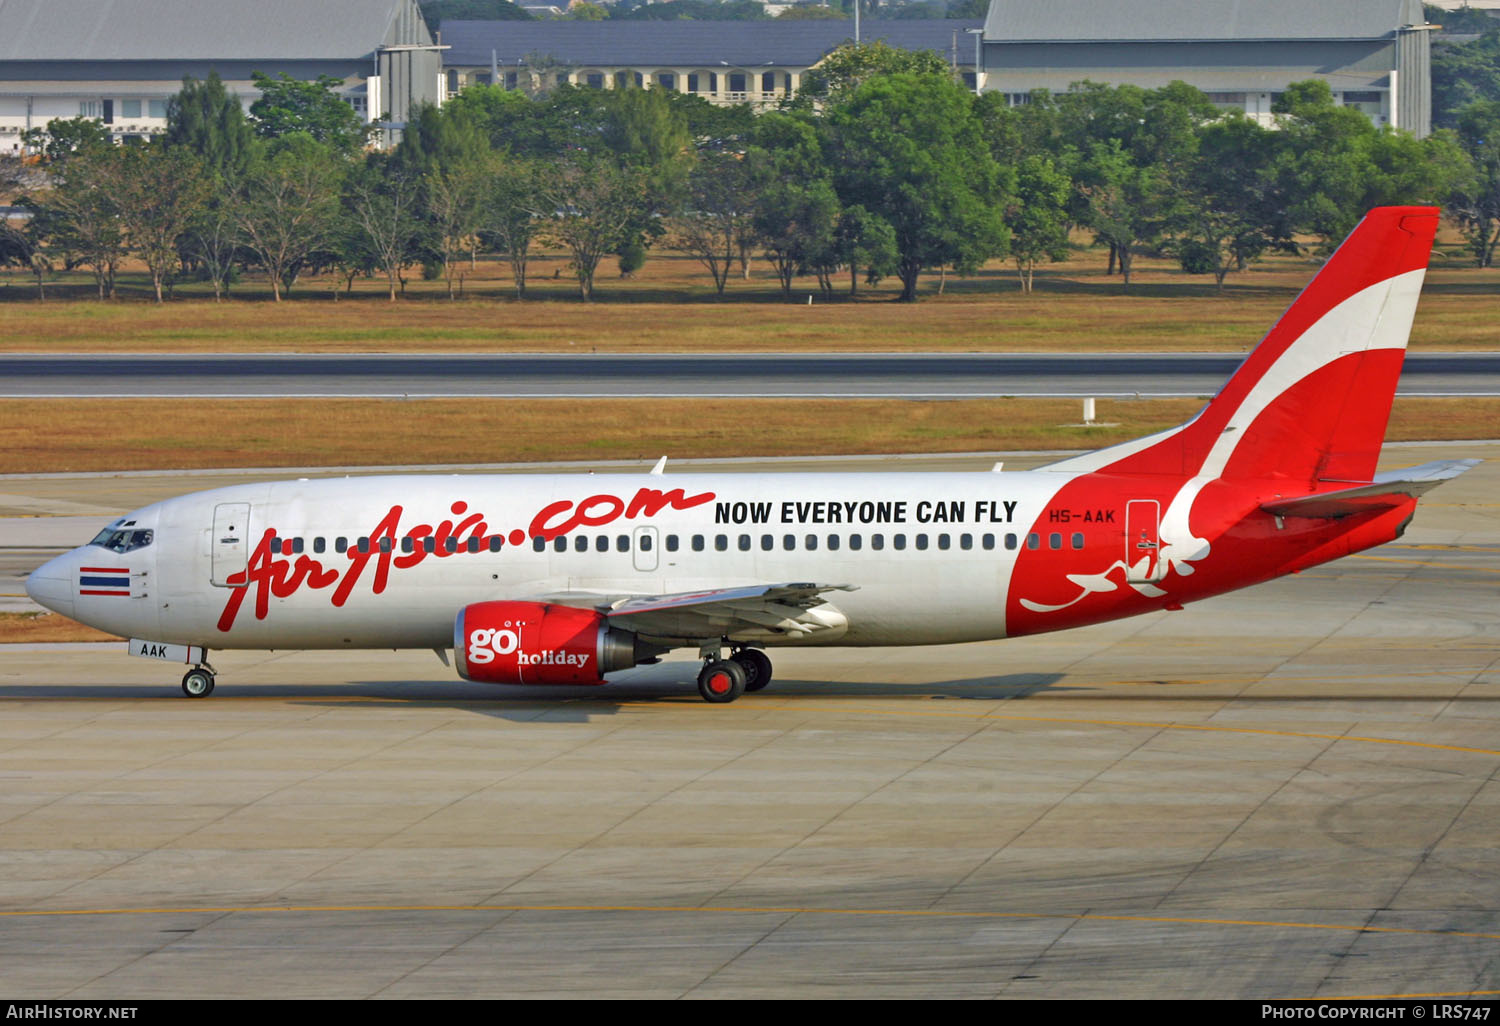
x,y
1386,491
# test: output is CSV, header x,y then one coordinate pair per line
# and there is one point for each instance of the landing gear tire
x,y
757,667
722,680
198,683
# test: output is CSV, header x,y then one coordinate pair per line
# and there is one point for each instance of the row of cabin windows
x,y
697,542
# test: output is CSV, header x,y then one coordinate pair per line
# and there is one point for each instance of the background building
x,y
1372,53
119,60
757,62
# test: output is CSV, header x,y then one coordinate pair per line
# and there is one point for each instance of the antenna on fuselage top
x,y
660,468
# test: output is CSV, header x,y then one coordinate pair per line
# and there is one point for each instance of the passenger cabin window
x,y
671,543
341,544
697,543
319,544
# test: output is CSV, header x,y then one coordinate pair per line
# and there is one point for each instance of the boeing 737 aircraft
x,y
562,579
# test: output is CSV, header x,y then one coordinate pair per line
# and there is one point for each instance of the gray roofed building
x,y
1374,54
119,60
725,62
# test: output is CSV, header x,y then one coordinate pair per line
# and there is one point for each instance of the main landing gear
x,y
198,682
724,680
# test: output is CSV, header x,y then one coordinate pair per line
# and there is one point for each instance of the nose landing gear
x,y
198,682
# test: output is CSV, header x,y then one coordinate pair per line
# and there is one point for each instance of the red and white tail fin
x,y
1311,402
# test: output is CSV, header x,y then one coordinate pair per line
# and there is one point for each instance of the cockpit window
x,y
116,540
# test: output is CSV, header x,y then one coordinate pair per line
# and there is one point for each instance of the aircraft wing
x,y
752,612
1388,489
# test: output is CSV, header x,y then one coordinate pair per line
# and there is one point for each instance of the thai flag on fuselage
x,y
101,580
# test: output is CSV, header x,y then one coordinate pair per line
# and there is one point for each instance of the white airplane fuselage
x,y
931,554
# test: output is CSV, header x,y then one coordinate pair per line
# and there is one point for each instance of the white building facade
x,y
1374,54
120,60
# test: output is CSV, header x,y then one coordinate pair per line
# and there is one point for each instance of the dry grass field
x,y
18,628
45,435
670,306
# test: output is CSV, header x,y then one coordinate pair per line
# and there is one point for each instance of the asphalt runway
x,y
910,376
1288,792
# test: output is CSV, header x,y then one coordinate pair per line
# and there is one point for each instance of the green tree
x,y
810,12
1475,199
160,191
908,148
689,10
288,106
383,200
509,119
861,241
437,11
289,207
456,200
585,11
796,208
853,63
1324,165
206,119
61,138
591,206
1462,74
1231,210
510,211
1038,216
80,214
440,138
718,214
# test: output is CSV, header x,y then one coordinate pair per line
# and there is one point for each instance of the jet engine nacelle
x,y
536,643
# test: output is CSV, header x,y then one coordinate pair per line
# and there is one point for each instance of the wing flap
x,y
761,609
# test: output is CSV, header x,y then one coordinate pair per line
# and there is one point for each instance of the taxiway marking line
x,y
757,910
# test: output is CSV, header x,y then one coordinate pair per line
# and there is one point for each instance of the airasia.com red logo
x,y
268,574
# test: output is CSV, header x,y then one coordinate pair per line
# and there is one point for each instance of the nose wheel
x,y
198,682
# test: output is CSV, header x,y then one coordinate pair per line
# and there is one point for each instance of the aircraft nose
x,y
51,585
